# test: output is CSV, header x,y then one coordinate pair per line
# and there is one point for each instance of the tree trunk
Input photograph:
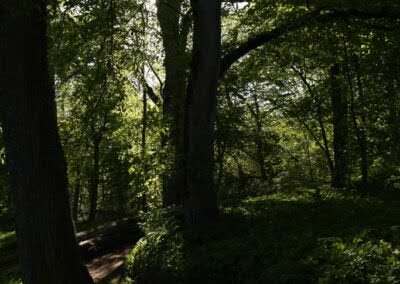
x,y
94,180
174,32
393,122
362,131
144,151
221,148
48,248
310,167
259,139
200,201
325,149
359,128
75,202
340,127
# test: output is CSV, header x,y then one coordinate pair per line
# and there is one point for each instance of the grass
x,y
282,238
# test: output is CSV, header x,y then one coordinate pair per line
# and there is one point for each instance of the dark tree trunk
x,y
144,150
144,124
362,133
310,167
174,33
94,180
48,248
75,201
259,139
359,128
221,148
393,121
261,161
325,149
200,200
340,127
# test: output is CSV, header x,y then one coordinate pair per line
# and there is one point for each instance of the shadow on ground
x,y
277,238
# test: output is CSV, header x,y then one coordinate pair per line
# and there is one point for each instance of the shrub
x,y
358,261
157,257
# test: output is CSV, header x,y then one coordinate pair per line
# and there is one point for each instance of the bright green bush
x,y
360,261
157,257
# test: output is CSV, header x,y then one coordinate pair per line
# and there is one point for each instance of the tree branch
x,y
152,95
317,16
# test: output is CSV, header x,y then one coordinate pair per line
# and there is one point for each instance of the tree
x,y
46,236
340,126
174,31
201,202
90,53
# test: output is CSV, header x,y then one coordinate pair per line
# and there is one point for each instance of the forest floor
x,y
282,238
109,265
103,247
297,238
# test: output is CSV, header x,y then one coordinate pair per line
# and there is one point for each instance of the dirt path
x,y
103,267
104,248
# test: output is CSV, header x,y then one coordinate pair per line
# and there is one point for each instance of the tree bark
x,y
259,139
75,202
363,144
340,127
221,148
200,200
174,33
392,120
48,249
331,165
358,128
144,150
94,179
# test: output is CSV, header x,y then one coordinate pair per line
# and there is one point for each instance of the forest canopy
x,y
186,116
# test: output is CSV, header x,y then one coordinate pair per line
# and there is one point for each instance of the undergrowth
x,y
280,238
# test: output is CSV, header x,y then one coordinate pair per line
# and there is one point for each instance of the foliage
x,y
363,260
275,133
9,270
280,238
157,257
274,105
